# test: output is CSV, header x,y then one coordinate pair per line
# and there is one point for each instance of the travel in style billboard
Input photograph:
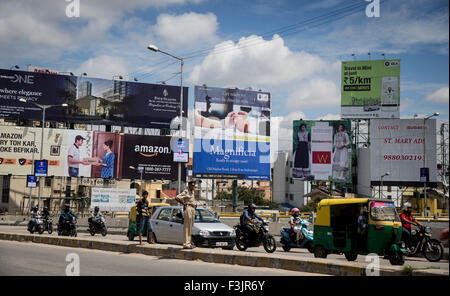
x,y
397,146
89,100
232,134
322,150
370,89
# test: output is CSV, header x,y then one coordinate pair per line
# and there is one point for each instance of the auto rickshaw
x,y
133,225
335,230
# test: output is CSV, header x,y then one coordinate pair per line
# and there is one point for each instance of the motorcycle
x,y
288,238
38,225
259,236
97,225
68,226
48,225
421,241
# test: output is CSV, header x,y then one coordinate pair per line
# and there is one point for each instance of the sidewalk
x,y
274,260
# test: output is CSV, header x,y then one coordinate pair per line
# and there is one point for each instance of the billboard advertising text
x,y
232,134
322,151
91,154
113,199
89,100
370,89
397,146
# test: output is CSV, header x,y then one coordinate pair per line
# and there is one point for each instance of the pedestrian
x,y
144,218
187,199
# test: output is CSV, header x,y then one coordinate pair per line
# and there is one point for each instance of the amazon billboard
x,y
89,154
151,155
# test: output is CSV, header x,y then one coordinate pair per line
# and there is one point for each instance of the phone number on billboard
x,y
403,157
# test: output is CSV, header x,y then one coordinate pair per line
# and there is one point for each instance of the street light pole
x,y
43,107
155,49
379,191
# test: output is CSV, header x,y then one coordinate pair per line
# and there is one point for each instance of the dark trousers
x,y
406,237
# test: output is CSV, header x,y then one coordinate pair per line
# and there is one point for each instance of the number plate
x,y
221,244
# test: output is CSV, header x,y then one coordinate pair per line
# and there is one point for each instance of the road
x,y
412,261
28,259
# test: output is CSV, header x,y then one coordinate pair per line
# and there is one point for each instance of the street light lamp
x,y
119,76
386,174
15,67
43,107
425,163
141,171
156,49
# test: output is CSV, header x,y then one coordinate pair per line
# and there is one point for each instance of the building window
x,y
291,196
389,197
48,181
286,195
389,189
5,191
292,181
287,179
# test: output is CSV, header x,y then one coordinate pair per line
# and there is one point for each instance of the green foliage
x,y
223,196
311,206
247,196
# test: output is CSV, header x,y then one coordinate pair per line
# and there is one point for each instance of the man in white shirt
x,y
73,157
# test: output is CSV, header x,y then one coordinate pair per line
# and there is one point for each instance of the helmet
x,y
66,206
295,210
35,208
45,208
96,209
407,205
251,207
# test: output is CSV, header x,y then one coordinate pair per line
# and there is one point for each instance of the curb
x,y
315,265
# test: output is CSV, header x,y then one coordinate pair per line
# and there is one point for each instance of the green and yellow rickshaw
x,y
336,229
133,225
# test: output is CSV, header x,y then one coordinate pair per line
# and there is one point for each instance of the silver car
x,y
167,225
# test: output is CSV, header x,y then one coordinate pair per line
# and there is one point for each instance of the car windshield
x,y
383,211
202,215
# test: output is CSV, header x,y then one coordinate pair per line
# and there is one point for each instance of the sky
x,y
292,49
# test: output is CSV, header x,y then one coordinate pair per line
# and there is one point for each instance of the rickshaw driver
x,y
363,222
407,220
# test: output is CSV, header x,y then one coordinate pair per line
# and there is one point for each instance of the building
x,y
287,191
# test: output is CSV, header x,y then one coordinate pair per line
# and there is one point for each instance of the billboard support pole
x,y
181,121
234,196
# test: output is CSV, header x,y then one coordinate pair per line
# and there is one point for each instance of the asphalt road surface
x,y
28,259
412,261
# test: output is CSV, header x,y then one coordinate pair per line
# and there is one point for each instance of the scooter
x,y
98,226
38,225
288,237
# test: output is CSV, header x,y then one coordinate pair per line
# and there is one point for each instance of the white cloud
x,y
253,60
316,92
104,66
439,96
281,130
187,29
330,117
406,103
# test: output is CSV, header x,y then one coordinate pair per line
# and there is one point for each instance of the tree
x,y
311,206
223,196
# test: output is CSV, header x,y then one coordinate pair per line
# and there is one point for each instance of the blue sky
x,y
292,49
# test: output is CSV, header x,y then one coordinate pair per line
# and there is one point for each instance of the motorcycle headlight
x,y
233,233
204,233
428,229
266,227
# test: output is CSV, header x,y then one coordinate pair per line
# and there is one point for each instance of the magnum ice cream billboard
x,y
232,134
78,153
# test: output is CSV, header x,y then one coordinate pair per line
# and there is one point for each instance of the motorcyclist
x,y
45,213
249,218
33,214
95,217
296,226
65,214
407,220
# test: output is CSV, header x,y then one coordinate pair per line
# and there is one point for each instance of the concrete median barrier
x,y
313,265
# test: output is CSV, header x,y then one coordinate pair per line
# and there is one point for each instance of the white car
x,y
167,225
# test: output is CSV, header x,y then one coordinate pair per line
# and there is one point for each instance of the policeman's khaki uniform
x,y
187,197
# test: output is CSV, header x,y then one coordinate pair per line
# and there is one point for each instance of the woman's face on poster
x,y
303,128
105,147
340,128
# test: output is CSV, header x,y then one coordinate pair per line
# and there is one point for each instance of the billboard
x,y
113,199
152,153
89,100
397,146
90,154
322,150
370,89
231,134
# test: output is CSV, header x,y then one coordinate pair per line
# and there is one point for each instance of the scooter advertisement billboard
x,y
231,134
